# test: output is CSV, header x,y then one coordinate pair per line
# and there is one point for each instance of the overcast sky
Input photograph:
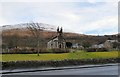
x,y
98,18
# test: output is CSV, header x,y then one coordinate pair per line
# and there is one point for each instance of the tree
x,y
86,44
69,44
12,41
36,30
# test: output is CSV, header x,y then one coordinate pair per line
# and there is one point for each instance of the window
x,y
60,46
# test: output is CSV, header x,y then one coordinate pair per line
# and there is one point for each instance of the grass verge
x,y
62,56
13,61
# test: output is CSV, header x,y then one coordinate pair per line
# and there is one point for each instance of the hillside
x,y
22,37
26,32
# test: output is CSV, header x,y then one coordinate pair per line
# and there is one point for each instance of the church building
x,y
57,41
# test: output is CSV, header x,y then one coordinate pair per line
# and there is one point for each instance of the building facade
x,y
109,44
57,41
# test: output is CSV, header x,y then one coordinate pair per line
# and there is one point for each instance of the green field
x,y
43,57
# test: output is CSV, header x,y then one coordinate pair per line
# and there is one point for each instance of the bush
x,y
91,49
58,50
96,49
34,51
102,49
20,51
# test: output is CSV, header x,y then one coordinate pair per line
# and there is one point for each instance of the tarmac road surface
x,y
106,70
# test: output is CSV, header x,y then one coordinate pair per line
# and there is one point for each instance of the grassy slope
x,y
77,55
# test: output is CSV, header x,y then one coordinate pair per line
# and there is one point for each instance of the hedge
x,y
34,51
32,64
96,49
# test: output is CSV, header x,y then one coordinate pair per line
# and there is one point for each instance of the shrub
x,y
34,51
58,50
91,49
96,49
20,51
102,49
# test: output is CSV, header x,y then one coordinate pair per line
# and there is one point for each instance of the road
x,y
107,70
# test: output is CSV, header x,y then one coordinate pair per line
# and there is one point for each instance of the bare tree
x,y
36,30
